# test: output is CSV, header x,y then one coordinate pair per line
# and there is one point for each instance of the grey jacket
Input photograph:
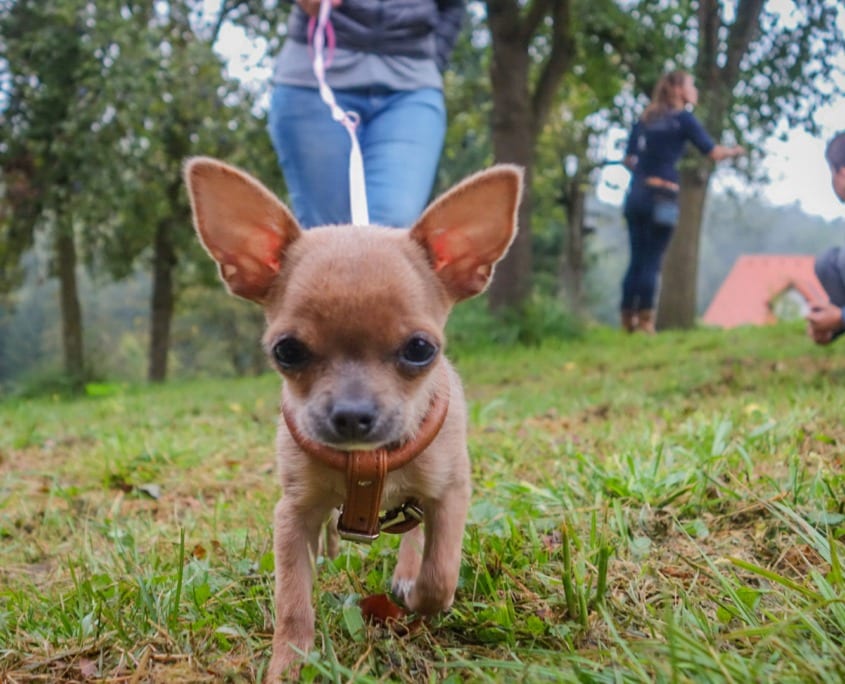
x,y
411,28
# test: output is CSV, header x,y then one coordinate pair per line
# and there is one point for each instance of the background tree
x,y
103,104
523,92
56,133
184,105
539,47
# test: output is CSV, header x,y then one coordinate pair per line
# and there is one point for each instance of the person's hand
x,y
312,7
823,322
720,152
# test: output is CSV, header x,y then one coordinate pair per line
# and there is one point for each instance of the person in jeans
x,y
386,66
652,154
826,320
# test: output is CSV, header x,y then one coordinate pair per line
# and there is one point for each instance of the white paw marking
x,y
402,588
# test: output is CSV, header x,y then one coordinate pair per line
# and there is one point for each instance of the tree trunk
x,y
717,72
513,137
161,314
519,113
571,271
512,280
678,296
71,311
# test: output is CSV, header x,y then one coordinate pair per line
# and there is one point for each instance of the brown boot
x,y
629,320
645,321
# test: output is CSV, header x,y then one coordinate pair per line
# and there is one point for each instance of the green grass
x,y
668,509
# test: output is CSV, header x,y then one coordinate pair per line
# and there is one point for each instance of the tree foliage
x,y
57,134
102,103
184,106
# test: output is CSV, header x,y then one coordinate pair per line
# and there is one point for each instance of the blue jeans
x,y
648,242
401,136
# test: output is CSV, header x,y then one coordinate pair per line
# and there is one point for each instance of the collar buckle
x,y
402,518
355,535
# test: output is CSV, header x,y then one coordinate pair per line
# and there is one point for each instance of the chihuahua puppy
x,y
373,415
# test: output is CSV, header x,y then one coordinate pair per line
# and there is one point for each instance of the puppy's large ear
x,y
468,229
241,224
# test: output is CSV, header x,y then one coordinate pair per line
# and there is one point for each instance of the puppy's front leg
x,y
408,564
434,588
295,545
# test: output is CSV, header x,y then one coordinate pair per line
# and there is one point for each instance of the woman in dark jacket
x,y
651,206
386,66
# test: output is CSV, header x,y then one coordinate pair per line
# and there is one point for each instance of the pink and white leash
x,y
349,120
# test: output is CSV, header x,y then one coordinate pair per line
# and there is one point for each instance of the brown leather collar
x,y
366,472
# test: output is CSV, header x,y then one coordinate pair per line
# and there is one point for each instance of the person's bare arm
x,y
720,152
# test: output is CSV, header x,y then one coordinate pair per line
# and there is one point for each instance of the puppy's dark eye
x,y
417,353
290,353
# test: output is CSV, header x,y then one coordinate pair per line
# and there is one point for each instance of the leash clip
x,y
395,521
402,518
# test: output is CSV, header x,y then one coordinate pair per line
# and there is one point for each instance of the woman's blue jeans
x,y
648,242
401,136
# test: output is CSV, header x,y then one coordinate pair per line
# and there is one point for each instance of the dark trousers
x,y
648,242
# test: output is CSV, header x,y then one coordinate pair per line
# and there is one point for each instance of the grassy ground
x,y
666,509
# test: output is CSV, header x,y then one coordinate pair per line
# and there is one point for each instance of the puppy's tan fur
x,y
354,298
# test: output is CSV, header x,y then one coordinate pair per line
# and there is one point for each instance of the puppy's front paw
x,y
281,673
430,595
408,565
287,657
284,667
402,589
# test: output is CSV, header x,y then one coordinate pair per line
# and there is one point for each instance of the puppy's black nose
x,y
353,419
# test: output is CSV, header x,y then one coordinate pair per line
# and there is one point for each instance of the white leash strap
x,y
349,120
